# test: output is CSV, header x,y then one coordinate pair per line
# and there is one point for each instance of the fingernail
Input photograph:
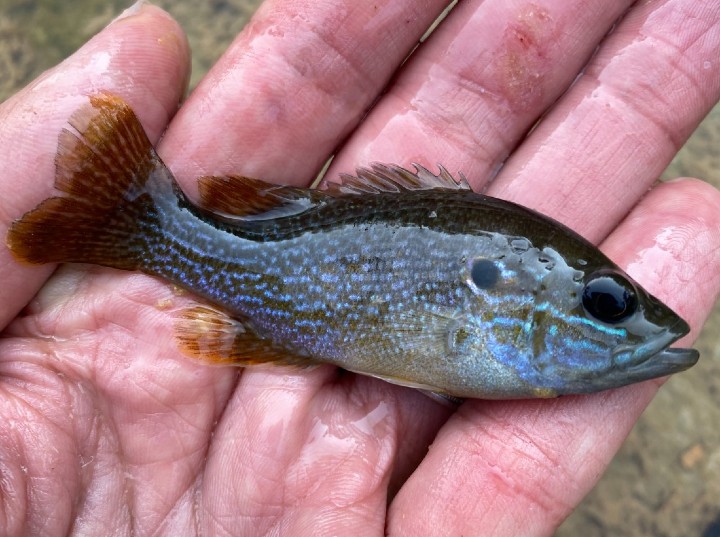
x,y
132,10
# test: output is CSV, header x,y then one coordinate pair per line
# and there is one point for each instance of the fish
x,y
401,274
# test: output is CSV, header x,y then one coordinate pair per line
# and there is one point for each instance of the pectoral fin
x,y
445,400
437,332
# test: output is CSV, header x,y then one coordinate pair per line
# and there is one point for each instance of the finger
x,y
294,83
625,118
520,467
143,57
302,454
621,122
469,95
424,111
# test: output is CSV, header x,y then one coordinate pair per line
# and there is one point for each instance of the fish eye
x,y
484,273
609,297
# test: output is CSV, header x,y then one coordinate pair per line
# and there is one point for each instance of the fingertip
x,y
142,55
669,243
151,61
685,203
690,195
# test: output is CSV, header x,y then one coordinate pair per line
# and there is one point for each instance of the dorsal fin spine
x,y
393,178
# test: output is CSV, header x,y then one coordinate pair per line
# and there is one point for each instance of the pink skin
x,y
106,429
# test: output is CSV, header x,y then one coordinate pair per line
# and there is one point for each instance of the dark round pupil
x,y
609,298
484,273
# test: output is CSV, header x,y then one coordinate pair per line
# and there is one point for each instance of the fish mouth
x,y
654,358
663,363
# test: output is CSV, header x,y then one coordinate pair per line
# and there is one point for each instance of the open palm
x,y
105,428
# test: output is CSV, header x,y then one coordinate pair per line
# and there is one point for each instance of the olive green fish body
x,y
402,275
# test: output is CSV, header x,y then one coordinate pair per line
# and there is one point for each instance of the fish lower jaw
x,y
643,364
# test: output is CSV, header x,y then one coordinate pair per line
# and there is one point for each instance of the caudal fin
x,y
106,170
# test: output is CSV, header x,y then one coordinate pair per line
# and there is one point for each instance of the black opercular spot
x,y
609,297
484,273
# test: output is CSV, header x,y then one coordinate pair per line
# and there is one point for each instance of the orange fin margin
x,y
212,336
102,166
107,154
244,197
239,196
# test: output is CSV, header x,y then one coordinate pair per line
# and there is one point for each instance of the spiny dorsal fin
x,y
393,178
212,336
237,196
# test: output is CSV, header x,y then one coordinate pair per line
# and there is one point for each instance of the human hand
x,y
107,429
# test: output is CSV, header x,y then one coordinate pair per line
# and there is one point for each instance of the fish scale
x,y
297,268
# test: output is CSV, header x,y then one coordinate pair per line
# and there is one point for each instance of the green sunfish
x,y
403,275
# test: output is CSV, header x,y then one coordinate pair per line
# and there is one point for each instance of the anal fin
x,y
212,336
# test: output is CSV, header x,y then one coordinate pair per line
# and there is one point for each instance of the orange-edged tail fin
x,y
104,167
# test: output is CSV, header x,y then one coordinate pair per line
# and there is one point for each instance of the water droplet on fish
x,y
520,245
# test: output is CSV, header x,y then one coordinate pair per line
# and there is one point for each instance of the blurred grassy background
x,y
666,479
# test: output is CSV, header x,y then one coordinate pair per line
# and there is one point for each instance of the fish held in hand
x,y
403,275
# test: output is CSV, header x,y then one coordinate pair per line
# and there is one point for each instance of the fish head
x,y
569,327
611,332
